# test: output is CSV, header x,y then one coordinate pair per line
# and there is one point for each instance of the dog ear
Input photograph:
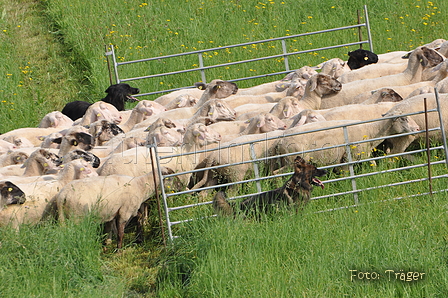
x,y
110,89
299,160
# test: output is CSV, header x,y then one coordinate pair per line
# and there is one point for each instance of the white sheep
x,y
419,59
40,162
214,109
143,110
55,119
164,137
250,110
166,99
358,112
335,67
98,111
113,198
305,117
103,131
47,141
315,141
13,157
371,71
317,86
416,104
230,153
6,146
136,162
392,57
382,95
39,195
300,75
32,134
76,137
262,123
182,101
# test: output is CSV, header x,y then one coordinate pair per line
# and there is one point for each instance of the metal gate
x,y
202,68
182,202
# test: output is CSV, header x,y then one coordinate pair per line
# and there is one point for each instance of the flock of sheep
x,y
66,168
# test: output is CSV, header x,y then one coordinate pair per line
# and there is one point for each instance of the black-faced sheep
x,y
10,194
360,57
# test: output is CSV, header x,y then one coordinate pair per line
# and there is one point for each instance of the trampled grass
x,y
53,52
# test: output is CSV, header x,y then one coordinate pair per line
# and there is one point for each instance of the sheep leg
x,y
109,228
142,215
202,181
120,231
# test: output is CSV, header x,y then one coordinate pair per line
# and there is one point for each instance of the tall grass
x,y
49,260
71,64
311,255
53,52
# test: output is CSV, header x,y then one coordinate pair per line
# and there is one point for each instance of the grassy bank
x,y
52,53
54,49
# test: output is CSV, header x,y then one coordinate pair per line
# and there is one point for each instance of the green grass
x,y
53,53
312,254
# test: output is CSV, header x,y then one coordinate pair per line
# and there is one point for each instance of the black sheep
x,y
359,58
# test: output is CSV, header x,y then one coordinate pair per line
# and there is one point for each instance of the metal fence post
x,y
442,126
153,146
369,36
350,159
201,65
285,57
256,170
114,60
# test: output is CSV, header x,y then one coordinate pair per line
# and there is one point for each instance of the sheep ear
x,y
200,85
313,83
406,56
57,140
261,122
211,113
301,121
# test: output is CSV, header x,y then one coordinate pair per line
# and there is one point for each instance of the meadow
x,y
53,53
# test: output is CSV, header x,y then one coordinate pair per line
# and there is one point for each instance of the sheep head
x,y
323,84
103,131
55,119
164,137
10,194
307,116
267,122
201,135
216,110
217,89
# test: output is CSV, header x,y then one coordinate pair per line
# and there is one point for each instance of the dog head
x,y
119,93
305,176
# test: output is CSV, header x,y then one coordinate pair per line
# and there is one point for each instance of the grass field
x,y
53,52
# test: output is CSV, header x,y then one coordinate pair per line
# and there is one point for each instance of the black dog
x,y
119,93
296,191
116,95
359,58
